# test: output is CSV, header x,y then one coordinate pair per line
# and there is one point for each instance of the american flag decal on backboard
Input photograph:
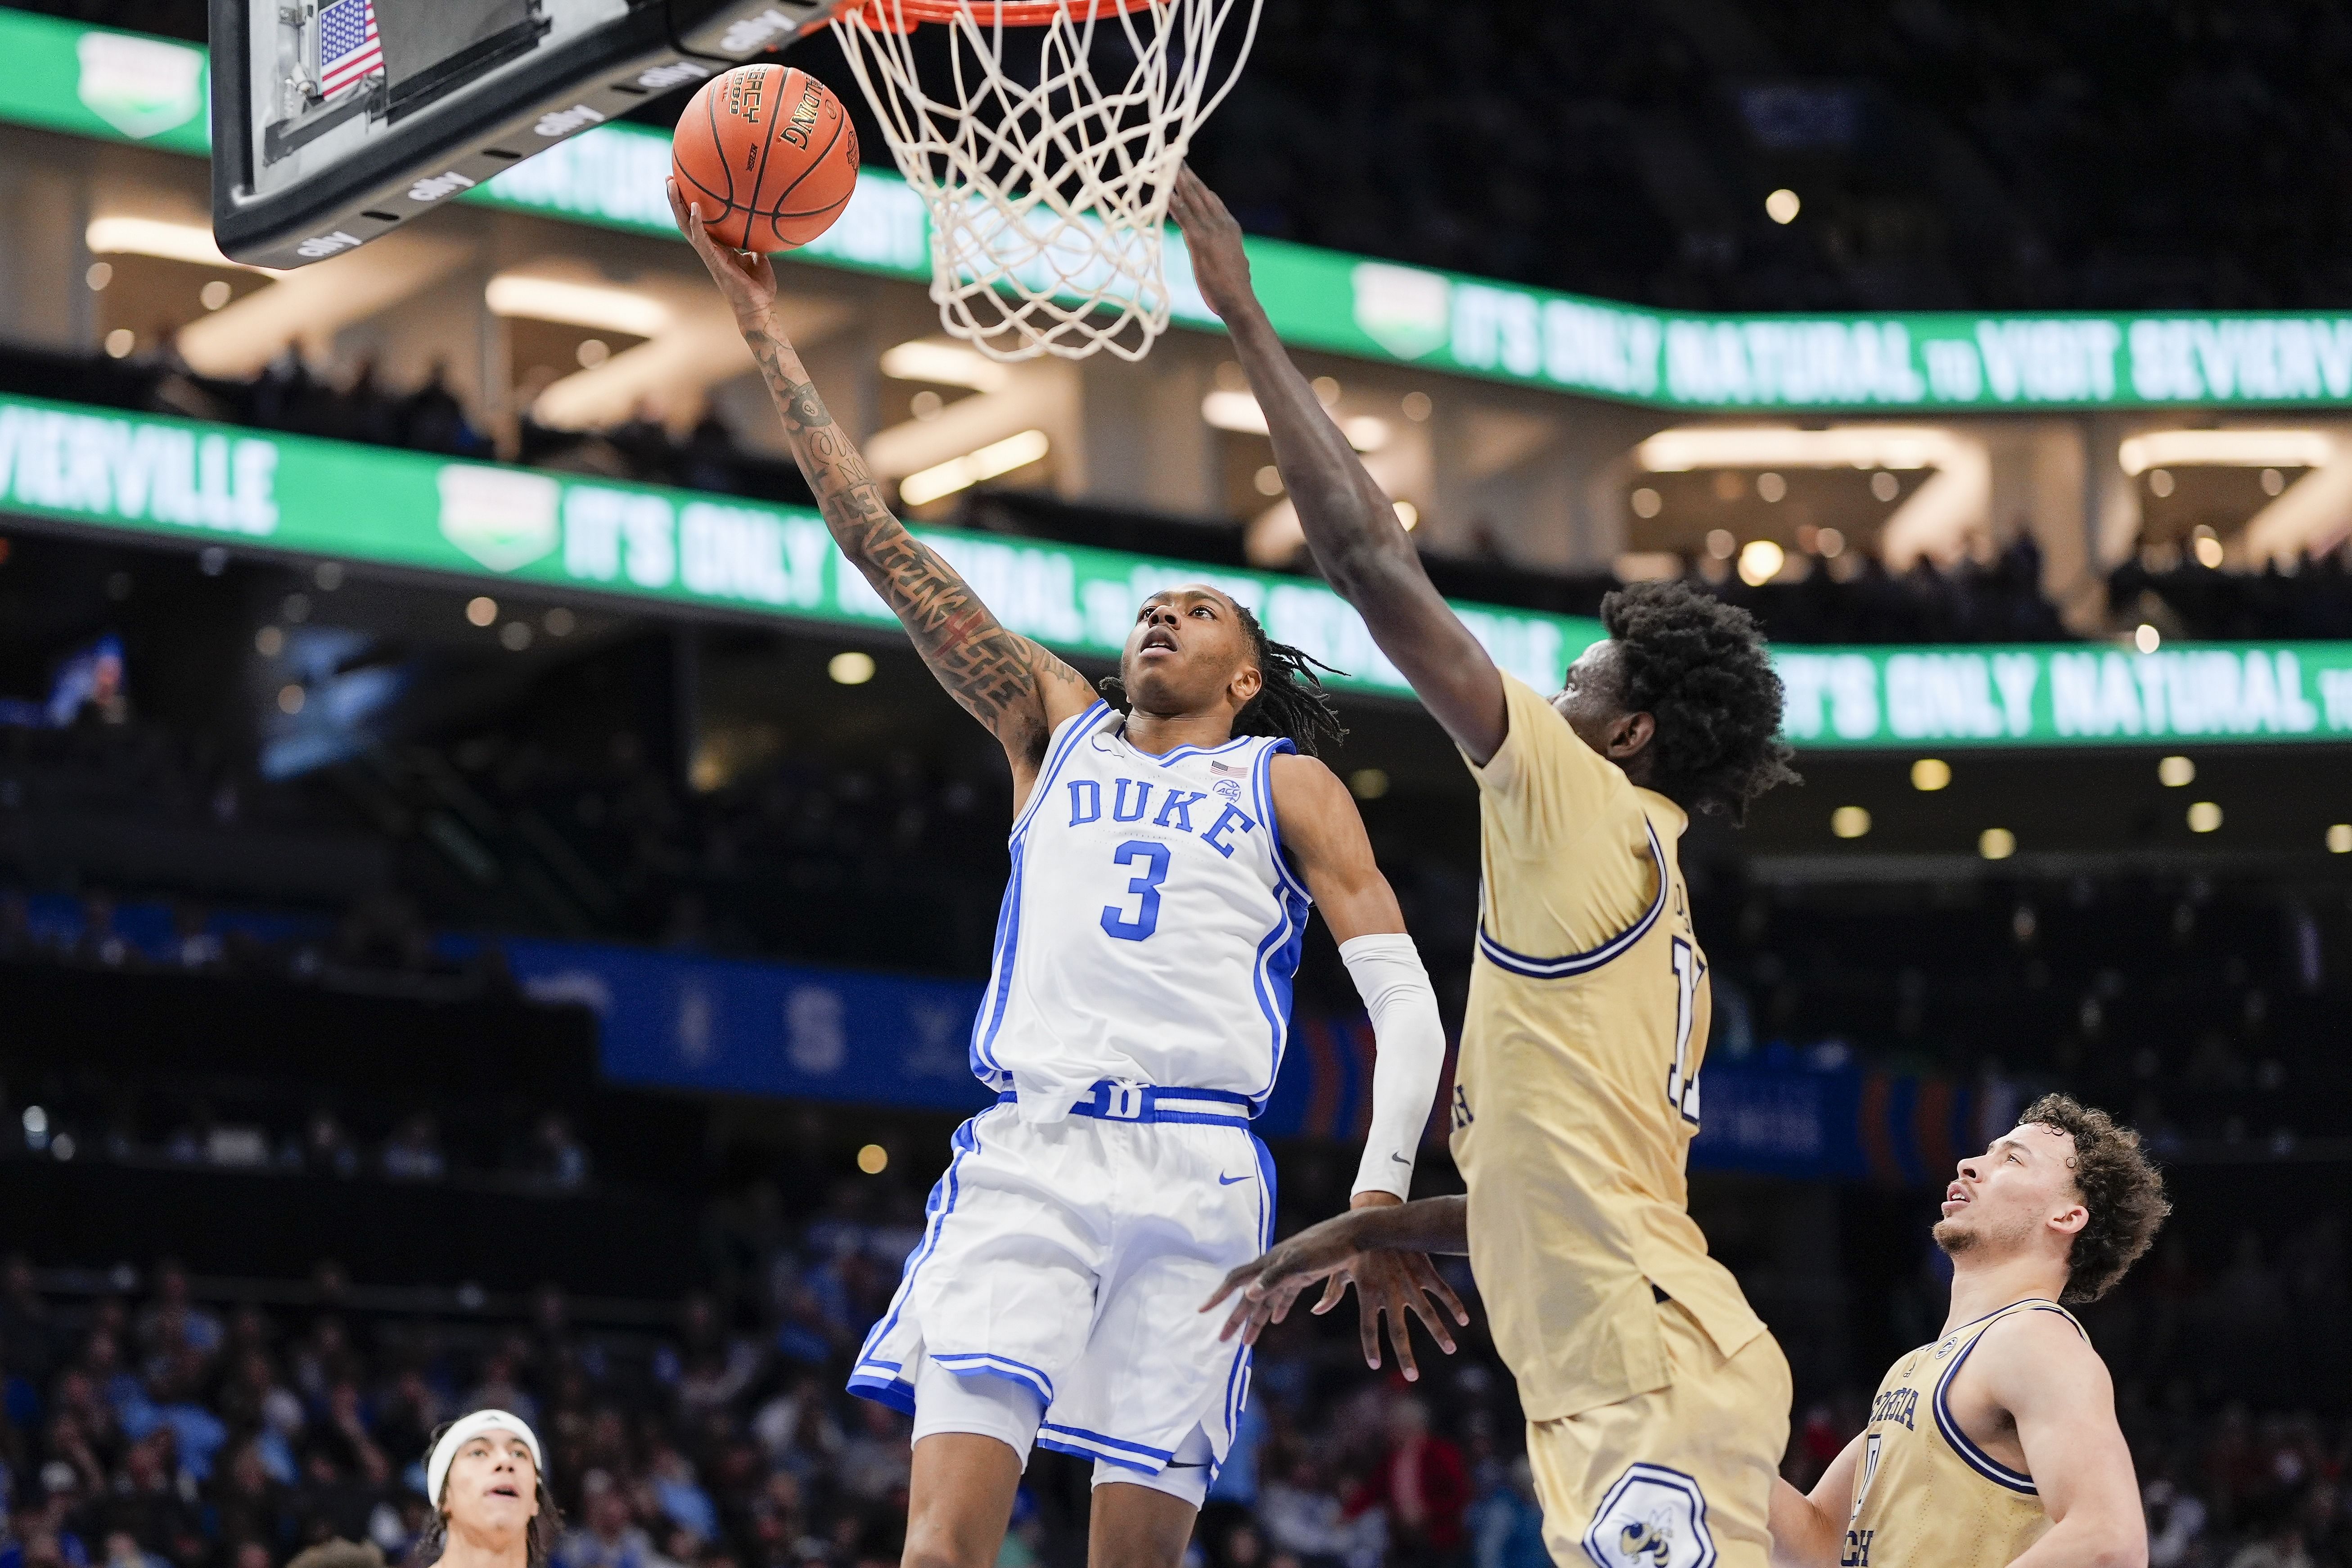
x,y
348,49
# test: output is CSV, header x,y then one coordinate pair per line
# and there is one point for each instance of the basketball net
x,y
1047,189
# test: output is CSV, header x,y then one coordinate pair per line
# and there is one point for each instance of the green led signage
x,y
676,549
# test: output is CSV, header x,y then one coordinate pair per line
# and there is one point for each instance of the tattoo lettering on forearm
x,y
990,672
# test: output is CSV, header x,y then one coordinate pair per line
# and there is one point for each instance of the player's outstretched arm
x,y
1003,679
1323,833
1350,523
2041,1370
1808,1531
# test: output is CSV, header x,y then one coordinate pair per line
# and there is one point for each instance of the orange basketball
x,y
768,156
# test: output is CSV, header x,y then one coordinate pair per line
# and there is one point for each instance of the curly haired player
x,y
1998,1445
1656,1403
1164,851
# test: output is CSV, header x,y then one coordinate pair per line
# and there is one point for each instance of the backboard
x,y
334,122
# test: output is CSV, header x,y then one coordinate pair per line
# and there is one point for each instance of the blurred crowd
x,y
2004,156
1995,154
2313,601
1856,599
148,1425
2204,1014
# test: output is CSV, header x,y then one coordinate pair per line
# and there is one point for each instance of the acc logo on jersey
x,y
1652,1518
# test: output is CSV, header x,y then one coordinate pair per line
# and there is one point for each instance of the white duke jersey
x,y
1151,928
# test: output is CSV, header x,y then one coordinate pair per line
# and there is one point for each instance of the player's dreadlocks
x,y
1697,666
1290,701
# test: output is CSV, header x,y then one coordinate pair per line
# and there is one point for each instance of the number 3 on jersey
x,y
1153,860
1682,1083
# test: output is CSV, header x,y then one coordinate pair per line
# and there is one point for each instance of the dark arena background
x,y
490,911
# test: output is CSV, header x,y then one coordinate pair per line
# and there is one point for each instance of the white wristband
x,y
1410,1045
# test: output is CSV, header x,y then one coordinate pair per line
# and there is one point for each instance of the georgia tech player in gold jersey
x,y
1656,1403
1997,1445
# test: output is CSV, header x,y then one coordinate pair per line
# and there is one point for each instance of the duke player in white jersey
x,y
1164,856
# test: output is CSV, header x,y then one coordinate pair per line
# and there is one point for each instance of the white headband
x,y
464,1430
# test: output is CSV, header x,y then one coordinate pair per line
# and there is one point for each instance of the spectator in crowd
x,y
1420,1482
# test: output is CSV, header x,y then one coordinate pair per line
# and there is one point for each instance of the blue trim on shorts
x,y
994,1365
891,1390
941,1204
1237,1379
1095,1446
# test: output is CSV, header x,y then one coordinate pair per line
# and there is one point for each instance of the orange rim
x,y
899,15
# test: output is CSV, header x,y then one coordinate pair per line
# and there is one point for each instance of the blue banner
x,y
737,1026
717,1025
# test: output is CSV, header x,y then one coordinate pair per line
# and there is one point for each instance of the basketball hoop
x,y
1047,189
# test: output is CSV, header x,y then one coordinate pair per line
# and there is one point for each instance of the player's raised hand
x,y
1391,1284
744,276
1220,265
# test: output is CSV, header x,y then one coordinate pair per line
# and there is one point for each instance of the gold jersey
x,y
1577,1094
1925,1496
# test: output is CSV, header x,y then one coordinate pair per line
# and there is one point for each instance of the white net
x,y
1047,187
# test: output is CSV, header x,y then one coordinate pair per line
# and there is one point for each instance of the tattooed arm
x,y
1003,679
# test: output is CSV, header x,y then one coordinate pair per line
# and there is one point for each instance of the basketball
x,y
768,155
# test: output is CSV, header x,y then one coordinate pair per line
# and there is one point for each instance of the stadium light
x,y
2225,448
1236,411
121,234
1900,446
961,473
575,304
944,364
1239,413
1760,560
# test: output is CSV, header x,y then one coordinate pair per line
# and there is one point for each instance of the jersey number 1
x,y
1153,859
1682,1083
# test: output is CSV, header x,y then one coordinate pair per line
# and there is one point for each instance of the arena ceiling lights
x,y
123,233
2226,448
1238,413
943,363
1900,447
1939,520
575,304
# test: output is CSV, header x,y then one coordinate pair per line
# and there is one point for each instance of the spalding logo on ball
x,y
767,154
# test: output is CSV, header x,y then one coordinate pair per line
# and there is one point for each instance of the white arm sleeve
x,y
1410,1056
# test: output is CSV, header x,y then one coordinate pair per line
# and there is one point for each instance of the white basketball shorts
x,y
1071,1258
